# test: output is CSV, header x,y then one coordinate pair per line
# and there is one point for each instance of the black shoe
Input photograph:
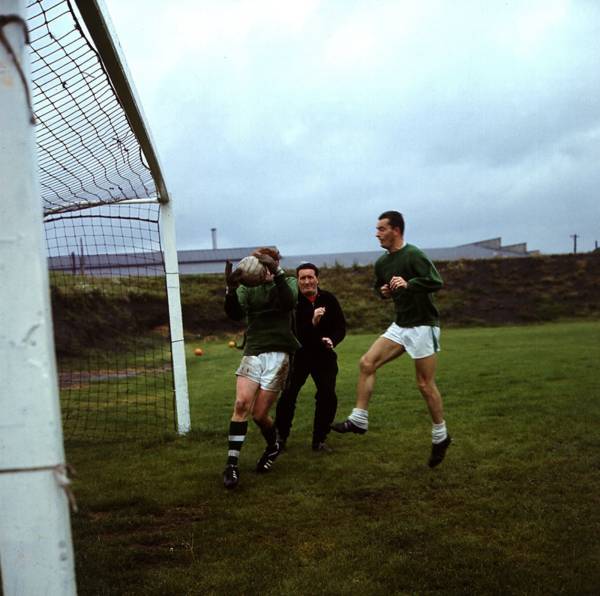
x,y
231,476
347,427
438,451
322,447
263,465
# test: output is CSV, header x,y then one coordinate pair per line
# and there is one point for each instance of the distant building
x,y
213,260
484,249
210,260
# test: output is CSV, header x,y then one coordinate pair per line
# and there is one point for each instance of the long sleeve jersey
x,y
414,304
268,312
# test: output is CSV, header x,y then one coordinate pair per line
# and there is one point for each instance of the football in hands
x,y
253,272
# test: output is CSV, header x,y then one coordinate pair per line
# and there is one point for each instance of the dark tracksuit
x,y
315,359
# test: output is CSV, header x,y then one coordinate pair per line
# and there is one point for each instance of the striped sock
x,y
438,432
237,434
360,418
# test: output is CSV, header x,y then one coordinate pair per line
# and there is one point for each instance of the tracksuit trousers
x,y
322,367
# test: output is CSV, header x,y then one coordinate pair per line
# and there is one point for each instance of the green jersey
x,y
268,310
414,304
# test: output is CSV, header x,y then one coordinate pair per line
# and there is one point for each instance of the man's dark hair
x,y
307,266
395,218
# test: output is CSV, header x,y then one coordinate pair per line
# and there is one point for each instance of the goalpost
x,y
36,554
110,232
107,221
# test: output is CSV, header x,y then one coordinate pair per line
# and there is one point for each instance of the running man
x,y
407,276
263,370
319,326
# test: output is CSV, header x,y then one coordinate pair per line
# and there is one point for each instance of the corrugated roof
x,y
213,260
215,254
488,249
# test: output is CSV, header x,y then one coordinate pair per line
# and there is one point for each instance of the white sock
x,y
360,418
438,432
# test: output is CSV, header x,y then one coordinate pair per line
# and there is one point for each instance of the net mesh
x,y
106,264
111,322
87,151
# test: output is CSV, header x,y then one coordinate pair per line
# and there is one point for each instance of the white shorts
x,y
269,369
419,342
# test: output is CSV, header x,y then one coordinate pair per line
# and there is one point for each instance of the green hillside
x,y
476,292
99,311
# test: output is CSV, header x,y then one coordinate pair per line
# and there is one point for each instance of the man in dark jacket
x,y
319,326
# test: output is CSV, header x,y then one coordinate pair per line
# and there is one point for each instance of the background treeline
x,y
102,311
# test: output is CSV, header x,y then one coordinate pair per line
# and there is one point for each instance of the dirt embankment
x,y
521,290
476,292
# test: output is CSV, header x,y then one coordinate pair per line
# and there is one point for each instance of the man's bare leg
x,y
245,396
381,352
246,392
425,373
260,414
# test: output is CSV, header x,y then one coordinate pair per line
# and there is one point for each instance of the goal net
x,y
114,288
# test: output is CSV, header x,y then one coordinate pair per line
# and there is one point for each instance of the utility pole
x,y
574,236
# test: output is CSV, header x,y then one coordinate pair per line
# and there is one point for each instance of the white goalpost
x,y
98,23
109,223
81,155
36,554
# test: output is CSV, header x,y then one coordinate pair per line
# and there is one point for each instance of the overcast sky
x,y
298,122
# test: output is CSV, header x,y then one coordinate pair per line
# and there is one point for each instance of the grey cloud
x,y
469,134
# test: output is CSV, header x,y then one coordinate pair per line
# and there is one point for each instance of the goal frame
x,y
99,26
36,550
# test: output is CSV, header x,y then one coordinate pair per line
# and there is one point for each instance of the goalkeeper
x,y
409,278
263,370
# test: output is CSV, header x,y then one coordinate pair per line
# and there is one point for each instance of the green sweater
x,y
414,304
268,312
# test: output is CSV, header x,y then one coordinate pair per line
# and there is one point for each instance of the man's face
x,y
307,282
386,234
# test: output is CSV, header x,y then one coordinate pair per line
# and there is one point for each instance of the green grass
x,y
512,510
118,394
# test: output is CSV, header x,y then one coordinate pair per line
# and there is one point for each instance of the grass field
x,y
512,510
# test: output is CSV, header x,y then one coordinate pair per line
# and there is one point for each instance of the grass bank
x,y
98,312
